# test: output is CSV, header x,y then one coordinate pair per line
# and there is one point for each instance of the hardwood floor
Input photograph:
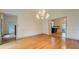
x,y
40,42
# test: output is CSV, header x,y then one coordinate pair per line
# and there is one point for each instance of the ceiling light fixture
x,y
42,14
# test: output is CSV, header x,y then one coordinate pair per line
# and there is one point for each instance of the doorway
x,y
57,26
8,27
58,30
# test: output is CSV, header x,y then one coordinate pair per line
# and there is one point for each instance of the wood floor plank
x,y
40,42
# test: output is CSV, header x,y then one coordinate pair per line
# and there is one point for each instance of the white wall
x,y
27,24
72,22
73,25
9,19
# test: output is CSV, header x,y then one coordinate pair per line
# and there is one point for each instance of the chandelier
x,y
42,14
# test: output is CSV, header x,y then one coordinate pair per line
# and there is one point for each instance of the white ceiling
x,y
15,11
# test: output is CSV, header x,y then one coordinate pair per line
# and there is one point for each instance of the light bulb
x,y
37,16
47,15
43,12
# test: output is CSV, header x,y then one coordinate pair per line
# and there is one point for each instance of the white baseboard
x,y
72,38
29,36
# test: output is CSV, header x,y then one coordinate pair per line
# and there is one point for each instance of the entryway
x,y
58,28
8,24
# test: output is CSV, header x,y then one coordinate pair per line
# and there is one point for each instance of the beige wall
x,y
27,24
72,21
6,19
59,22
4,29
9,18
